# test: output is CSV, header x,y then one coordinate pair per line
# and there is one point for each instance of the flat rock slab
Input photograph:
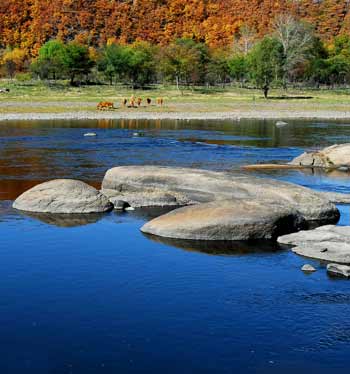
x,y
338,270
336,197
329,243
190,186
335,156
226,220
63,196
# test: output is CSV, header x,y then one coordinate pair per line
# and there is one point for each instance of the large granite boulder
x,y
190,186
335,156
63,196
226,220
328,243
148,198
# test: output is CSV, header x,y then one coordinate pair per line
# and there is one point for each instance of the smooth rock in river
x,y
90,134
281,124
226,220
63,196
190,186
339,270
329,243
307,268
335,156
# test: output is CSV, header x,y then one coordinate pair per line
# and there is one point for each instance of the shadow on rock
x,y
149,213
65,220
220,248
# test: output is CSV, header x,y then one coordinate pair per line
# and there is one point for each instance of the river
x,y
94,295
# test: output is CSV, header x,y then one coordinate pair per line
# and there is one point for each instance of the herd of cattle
x,y
130,103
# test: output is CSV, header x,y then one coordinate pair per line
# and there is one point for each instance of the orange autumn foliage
x,y
28,24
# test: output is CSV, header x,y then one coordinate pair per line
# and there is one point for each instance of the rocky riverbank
x,y
175,115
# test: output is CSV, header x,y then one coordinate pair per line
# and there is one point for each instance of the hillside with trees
x,y
249,43
28,24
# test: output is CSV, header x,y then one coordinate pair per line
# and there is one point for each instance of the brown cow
x,y
132,101
160,101
139,101
148,101
105,105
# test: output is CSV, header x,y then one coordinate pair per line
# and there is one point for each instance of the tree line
x,y
290,55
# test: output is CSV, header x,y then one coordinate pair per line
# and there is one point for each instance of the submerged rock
x,y
136,184
338,270
336,156
63,196
226,220
330,243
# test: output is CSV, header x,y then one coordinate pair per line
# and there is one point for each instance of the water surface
x,y
92,294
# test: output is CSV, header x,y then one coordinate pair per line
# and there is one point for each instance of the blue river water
x,y
94,295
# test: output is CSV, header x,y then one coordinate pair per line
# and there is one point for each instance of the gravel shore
x,y
229,115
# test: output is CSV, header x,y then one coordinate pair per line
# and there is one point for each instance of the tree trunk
x,y
266,91
177,83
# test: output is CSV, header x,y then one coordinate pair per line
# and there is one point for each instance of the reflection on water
x,y
34,151
65,220
217,247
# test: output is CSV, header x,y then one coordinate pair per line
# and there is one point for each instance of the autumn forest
x,y
30,23
139,41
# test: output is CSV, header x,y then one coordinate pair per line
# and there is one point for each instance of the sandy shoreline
x,y
236,115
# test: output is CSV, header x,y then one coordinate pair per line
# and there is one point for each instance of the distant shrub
x,y
23,77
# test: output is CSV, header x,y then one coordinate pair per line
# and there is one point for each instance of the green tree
x,y
50,61
217,70
140,63
113,61
76,60
265,62
238,68
338,69
317,68
184,61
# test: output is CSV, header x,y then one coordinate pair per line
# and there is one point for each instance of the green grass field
x,y
38,97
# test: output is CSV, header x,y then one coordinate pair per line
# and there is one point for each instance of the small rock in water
x,y
90,134
339,270
121,205
307,268
138,134
129,208
281,124
344,168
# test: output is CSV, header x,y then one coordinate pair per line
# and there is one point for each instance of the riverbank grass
x,y
39,97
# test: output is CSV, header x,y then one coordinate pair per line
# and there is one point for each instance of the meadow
x,y
59,97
